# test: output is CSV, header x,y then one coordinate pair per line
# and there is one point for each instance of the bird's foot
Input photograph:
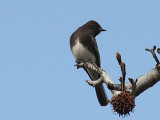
x,y
79,62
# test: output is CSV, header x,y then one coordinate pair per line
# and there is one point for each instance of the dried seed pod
x,y
123,103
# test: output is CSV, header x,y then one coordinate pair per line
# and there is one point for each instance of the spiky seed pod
x,y
123,103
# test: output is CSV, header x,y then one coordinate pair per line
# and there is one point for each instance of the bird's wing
x,y
96,51
91,44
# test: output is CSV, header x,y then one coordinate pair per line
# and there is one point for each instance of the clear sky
x,y
38,80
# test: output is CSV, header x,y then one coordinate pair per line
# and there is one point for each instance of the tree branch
x,y
133,83
123,70
135,87
153,53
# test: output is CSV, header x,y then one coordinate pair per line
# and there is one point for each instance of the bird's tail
x,y
100,91
101,95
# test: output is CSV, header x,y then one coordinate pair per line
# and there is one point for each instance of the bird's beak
x,y
101,29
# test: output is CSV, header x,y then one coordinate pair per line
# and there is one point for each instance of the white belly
x,y
81,52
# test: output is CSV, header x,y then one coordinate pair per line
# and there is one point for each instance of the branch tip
x,y
123,70
118,56
153,53
154,47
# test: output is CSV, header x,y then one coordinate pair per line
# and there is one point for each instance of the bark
x,y
135,87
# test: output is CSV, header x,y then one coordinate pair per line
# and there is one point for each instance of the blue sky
x,y
37,78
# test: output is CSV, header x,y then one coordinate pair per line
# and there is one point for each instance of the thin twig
x,y
153,53
123,70
95,83
133,83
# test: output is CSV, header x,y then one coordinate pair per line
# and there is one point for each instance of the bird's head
x,y
94,27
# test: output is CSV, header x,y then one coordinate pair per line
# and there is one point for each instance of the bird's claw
x,y
79,62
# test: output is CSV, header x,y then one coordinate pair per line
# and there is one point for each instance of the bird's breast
x,y
81,52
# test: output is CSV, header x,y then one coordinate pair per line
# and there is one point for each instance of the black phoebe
x,y
84,47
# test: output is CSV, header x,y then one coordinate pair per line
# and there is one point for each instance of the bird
x,y
84,47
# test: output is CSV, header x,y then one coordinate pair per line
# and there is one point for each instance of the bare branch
x,y
133,83
90,65
95,83
105,78
123,70
148,80
153,53
136,87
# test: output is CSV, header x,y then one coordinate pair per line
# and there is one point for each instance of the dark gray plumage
x,y
84,46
